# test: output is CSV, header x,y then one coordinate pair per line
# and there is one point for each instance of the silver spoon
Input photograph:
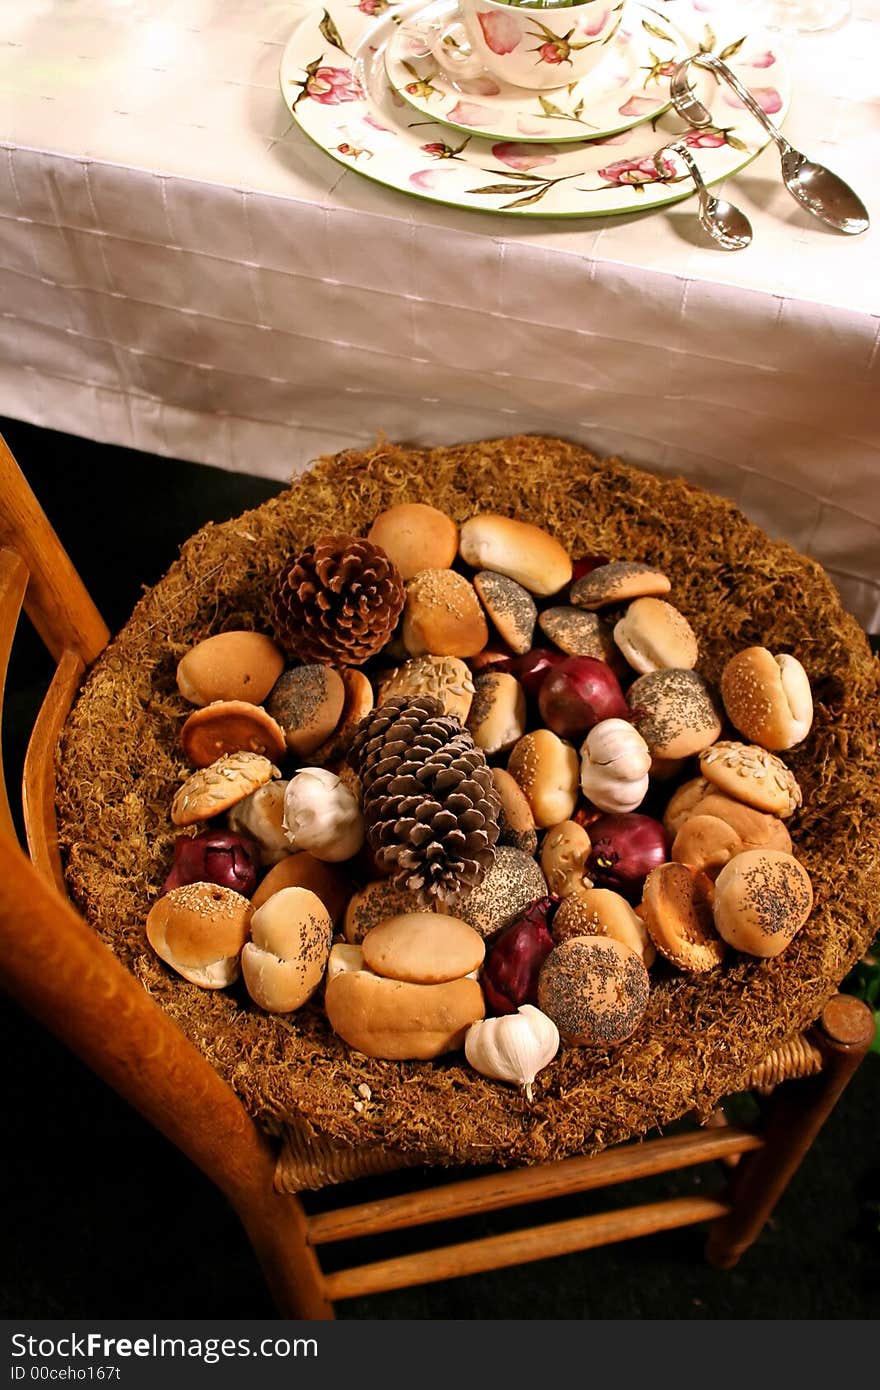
x,y
727,225
816,188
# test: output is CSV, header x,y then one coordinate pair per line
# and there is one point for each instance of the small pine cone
x,y
337,602
430,803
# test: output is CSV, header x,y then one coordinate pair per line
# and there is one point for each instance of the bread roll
x,y
302,870
415,537
548,771
374,903
199,931
654,636
284,961
767,698
307,703
447,678
677,910
595,989
762,899
512,884
356,706
215,789
602,912
425,948
578,633
675,712
442,615
230,666
399,1021
707,841
616,582
510,607
522,551
516,823
751,774
231,726
497,717
564,854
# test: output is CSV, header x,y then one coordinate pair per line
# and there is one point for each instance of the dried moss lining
x,y
120,764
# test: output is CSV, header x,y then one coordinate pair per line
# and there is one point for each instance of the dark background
x,y
101,1217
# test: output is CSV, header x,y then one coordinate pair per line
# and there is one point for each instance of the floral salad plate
x,y
335,83
630,85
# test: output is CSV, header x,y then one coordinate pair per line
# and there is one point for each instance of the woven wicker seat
x,y
702,1040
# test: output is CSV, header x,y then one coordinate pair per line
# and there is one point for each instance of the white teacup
x,y
538,47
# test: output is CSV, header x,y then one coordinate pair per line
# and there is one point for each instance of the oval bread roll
x,y
767,698
398,1021
199,930
442,615
497,717
425,948
230,666
548,770
653,635
522,551
762,899
284,961
415,537
302,870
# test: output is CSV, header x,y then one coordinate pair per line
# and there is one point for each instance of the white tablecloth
x,y
183,272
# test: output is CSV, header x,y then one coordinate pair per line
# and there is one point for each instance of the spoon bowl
x,y
817,189
727,225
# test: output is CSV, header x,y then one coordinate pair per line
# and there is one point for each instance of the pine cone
x,y
430,803
337,602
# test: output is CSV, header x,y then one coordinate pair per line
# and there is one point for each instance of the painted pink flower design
x,y
502,32
469,113
370,119
637,106
373,6
524,157
622,138
333,86
480,87
592,26
429,179
704,139
762,60
637,171
767,98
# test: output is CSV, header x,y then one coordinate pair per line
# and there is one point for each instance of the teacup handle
x,y
451,48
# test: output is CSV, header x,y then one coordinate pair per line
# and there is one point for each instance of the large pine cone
x,y
337,602
430,803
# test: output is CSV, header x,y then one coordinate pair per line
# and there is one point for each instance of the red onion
x,y
586,564
216,856
510,972
625,848
578,693
531,668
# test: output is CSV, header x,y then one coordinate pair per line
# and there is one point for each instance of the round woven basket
x,y
120,763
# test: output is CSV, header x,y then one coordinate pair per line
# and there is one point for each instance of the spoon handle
x,y
717,65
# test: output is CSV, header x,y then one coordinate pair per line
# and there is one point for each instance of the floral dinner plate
x,y
630,85
335,84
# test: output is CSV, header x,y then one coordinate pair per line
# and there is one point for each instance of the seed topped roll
x,y
762,899
595,989
767,698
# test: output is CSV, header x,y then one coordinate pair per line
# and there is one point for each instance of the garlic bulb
x,y
322,815
513,1047
615,762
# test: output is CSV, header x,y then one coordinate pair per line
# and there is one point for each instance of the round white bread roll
x,y
284,961
302,870
230,666
497,717
399,1021
425,948
762,899
767,698
522,551
199,931
653,636
415,537
595,989
548,770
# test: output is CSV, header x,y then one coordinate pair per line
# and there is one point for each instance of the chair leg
x,y
275,1224
796,1112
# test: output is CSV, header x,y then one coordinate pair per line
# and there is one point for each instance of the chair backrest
x,y
56,966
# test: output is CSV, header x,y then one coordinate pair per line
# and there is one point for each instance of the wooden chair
x,y
57,968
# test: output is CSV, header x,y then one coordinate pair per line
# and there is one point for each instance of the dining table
x,y
227,237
